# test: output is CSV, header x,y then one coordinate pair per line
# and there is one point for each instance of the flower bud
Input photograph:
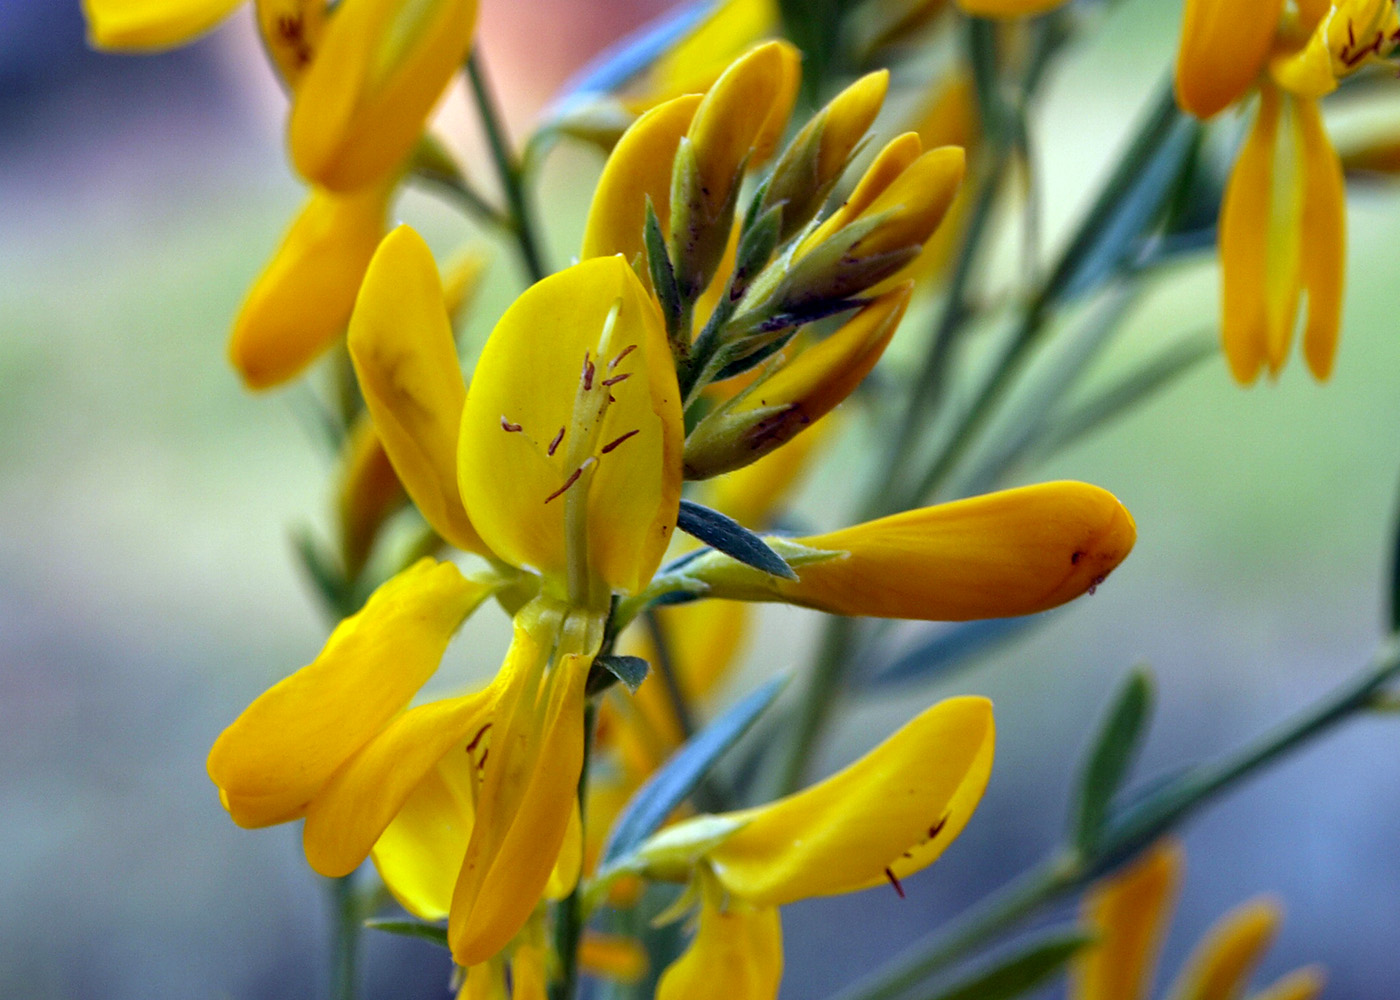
x,y
796,395
301,302
817,155
737,123
381,68
121,24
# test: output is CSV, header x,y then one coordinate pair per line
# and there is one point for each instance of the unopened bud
x,y
796,395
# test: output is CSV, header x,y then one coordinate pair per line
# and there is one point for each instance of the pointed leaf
x,y
1024,970
1111,757
670,786
950,646
730,537
631,670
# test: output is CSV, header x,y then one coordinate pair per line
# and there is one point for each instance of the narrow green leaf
x,y
411,928
755,248
678,777
1111,756
1395,580
322,571
1027,968
663,278
631,670
724,534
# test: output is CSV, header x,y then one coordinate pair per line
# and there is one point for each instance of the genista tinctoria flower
x,y
1283,220
1128,914
886,816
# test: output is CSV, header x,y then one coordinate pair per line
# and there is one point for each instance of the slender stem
x,y
568,915
507,168
345,938
666,668
472,199
993,915
819,699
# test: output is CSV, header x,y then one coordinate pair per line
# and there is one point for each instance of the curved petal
x,y
1009,553
1129,914
527,798
420,852
405,358
737,954
289,742
1244,246
890,809
1220,966
299,305
382,66
1323,239
1305,984
638,168
151,24
585,341
354,808
694,63
894,158
1224,46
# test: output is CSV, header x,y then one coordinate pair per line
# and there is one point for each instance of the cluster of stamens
x,y
1377,45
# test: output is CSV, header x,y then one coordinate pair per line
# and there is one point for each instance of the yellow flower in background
x,y
891,813
151,24
1015,552
1283,219
381,68
1129,913
695,62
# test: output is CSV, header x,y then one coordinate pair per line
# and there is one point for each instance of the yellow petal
x,y
288,743
892,160
369,494
737,954
357,804
299,305
1224,45
1220,966
742,116
291,32
524,807
1322,239
1305,984
1015,552
570,861
420,852
589,325
612,956
401,343
797,394
916,201
1008,8
1245,216
1128,913
638,168
892,811
382,66
151,24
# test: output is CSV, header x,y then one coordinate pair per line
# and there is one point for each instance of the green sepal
x,y
663,282
1111,757
699,231
630,670
724,534
413,929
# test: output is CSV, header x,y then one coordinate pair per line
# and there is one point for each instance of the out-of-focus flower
x,y
1008,8
1129,913
1283,220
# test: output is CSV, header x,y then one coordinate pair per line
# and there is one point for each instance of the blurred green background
x,y
147,590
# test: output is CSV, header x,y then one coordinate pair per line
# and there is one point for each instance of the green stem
x,y
471,199
345,938
995,914
568,915
819,699
508,169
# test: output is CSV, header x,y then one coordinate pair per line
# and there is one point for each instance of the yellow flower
x,y
1009,553
1129,912
1008,8
151,24
886,816
694,63
379,71
1283,220
299,305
